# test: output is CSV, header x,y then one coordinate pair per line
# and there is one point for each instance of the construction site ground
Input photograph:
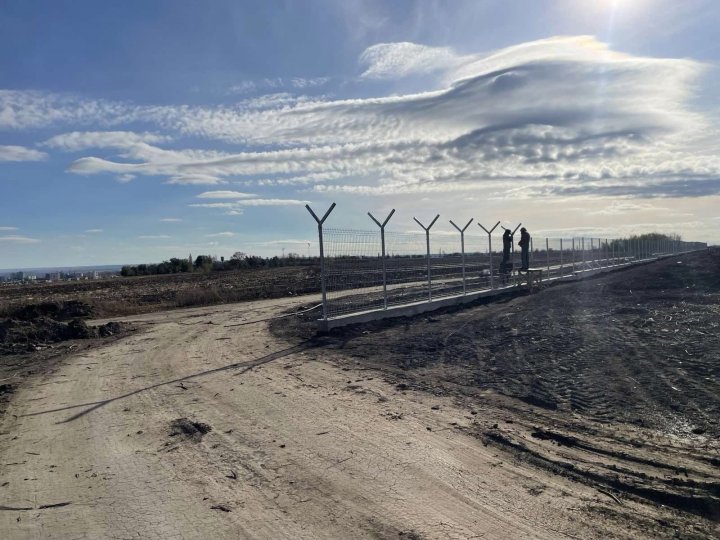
x,y
585,410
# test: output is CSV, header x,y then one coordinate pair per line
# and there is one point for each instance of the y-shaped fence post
x,y
323,280
382,241
489,233
427,243
462,246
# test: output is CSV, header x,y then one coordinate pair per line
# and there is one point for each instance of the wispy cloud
x,y
563,116
93,231
262,85
226,234
250,202
195,180
20,153
153,236
82,140
170,220
224,195
18,240
396,60
8,228
293,241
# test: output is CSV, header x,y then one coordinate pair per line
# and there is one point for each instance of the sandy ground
x,y
299,447
311,439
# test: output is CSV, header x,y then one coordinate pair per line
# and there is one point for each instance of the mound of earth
x,y
37,325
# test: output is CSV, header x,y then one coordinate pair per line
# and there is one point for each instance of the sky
x,y
141,130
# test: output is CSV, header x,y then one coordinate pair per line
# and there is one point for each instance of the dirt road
x,y
300,447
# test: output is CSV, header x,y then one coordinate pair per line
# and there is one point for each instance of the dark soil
x,y
60,311
188,429
132,295
35,326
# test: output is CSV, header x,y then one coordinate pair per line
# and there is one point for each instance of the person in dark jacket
x,y
507,246
524,244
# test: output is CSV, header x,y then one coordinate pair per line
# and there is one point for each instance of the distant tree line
x,y
652,238
209,263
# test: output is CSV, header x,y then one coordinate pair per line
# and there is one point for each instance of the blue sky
x,y
140,130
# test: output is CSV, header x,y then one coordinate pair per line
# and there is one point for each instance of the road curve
x,y
302,446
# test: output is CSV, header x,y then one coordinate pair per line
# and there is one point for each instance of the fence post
x,y
382,242
547,255
427,243
323,280
512,239
561,258
462,247
489,233
583,252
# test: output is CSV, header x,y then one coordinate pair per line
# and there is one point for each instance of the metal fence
x,y
376,270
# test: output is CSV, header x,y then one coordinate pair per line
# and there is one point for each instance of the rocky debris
x,y
37,326
111,329
188,429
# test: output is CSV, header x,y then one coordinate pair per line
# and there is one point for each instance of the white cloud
x,y
303,83
563,116
220,235
195,180
396,60
18,240
284,242
21,109
20,153
250,202
82,140
170,220
125,178
299,83
224,195
93,231
153,236
630,207
8,228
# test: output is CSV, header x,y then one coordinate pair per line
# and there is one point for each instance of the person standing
x,y
507,246
524,244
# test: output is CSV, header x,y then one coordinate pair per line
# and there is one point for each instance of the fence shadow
x,y
247,365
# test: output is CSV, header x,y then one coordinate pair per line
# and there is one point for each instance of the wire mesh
x,y
421,267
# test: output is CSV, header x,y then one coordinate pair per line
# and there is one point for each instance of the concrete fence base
x,y
425,306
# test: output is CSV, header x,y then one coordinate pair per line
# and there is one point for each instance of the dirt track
x,y
315,439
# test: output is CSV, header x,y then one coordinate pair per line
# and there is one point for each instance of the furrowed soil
x,y
586,410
